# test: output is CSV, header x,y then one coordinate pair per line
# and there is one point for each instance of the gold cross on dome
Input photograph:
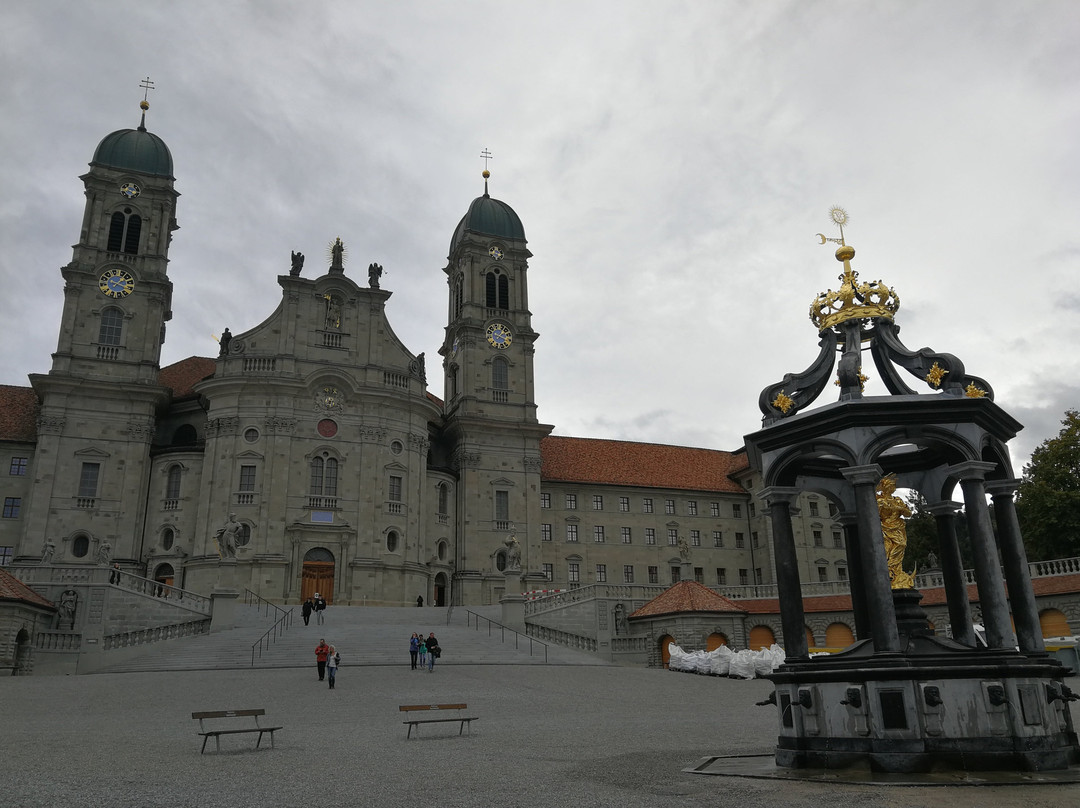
x,y
147,86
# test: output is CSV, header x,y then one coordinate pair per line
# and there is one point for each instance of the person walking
x,y
414,648
320,607
421,648
322,651
420,601
433,649
333,660
306,610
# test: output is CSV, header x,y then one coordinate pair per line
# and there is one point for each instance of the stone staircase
x,y
364,635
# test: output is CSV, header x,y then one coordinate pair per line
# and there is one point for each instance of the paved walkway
x,y
555,735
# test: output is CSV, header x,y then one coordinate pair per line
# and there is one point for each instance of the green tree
x,y
1048,504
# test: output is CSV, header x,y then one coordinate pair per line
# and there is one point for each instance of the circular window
x,y
251,434
167,537
397,447
391,541
80,545
327,427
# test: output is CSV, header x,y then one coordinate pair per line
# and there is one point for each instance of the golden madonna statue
x,y
892,511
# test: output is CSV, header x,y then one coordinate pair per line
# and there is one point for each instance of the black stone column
x,y
856,583
952,571
1014,559
875,569
779,502
992,600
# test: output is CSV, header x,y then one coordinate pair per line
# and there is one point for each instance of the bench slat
x,y
405,708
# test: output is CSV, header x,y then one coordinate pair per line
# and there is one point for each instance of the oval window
x,y
391,541
80,545
167,537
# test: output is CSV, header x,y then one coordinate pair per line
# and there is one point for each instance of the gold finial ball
x,y
143,105
845,253
486,174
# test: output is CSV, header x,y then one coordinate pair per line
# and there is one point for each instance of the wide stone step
x,y
363,636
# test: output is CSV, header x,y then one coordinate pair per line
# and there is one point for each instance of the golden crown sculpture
x,y
853,300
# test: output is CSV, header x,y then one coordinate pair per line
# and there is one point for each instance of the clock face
x,y
495,252
498,334
130,190
116,283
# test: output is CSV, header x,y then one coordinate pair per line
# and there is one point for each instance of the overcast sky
x,y
671,163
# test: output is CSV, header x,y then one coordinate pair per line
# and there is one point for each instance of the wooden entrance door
x,y
317,576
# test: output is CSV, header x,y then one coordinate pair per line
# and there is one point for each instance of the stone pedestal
x,y
513,602
224,597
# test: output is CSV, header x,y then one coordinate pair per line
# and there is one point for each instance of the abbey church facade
x,y
313,454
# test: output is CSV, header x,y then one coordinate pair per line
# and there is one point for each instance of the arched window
x,y
124,230
324,476
112,326
497,290
443,498
80,545
172,483
185,435
500,374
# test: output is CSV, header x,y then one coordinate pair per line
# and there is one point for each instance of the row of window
x,y
573,574
626,536
648,505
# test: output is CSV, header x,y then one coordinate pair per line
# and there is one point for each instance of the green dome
x,y
489,217
134,150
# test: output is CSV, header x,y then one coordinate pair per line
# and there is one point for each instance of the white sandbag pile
x,y
723,661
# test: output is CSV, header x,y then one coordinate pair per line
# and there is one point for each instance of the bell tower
x,y
490,401
117,295
100,399
488,346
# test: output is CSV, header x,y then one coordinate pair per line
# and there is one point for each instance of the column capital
x,y
777,494
971,470
998,488
863,475
945,508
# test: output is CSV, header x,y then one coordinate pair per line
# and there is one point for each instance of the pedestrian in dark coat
x,y
433,650
306,610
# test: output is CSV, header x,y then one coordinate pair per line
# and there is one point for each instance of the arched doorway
x,y
810,641
838,635
761,637
318,574
665,654
164,574
440,590
714,641
22,665
1053,624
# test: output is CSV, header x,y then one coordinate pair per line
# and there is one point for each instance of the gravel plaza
x,y
555,735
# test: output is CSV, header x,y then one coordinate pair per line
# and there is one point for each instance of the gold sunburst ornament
x,y
783,402
936,374
971,391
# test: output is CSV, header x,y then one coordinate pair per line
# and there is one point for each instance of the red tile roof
x,y
648,465
11,588
182,376
18,413
687,596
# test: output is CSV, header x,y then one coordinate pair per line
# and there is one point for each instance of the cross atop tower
x,y
487,156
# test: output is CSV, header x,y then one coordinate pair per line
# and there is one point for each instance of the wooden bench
x,y
216,734
414,721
